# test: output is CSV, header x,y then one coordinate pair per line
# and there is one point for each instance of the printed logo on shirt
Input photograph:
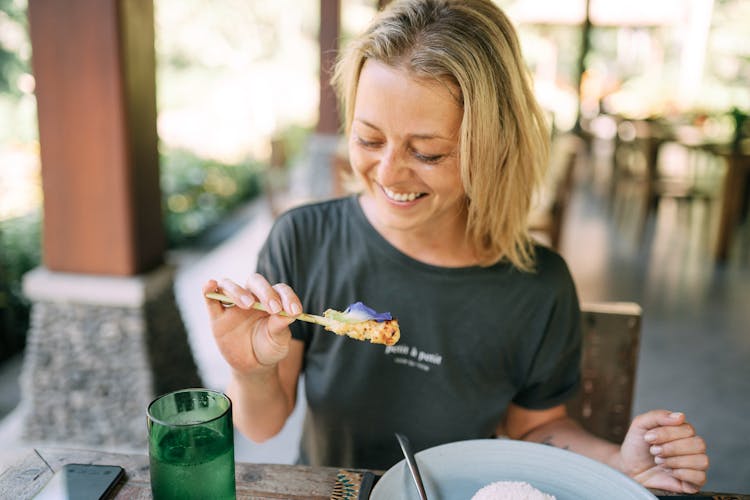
x,y
413,357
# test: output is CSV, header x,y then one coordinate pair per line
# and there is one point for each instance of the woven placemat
x,y
353,485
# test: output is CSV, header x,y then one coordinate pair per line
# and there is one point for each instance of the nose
x,y
391,166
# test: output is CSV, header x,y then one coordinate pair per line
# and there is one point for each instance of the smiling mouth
x,y
401,197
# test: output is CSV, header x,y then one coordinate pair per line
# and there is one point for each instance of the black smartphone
x,y
82,482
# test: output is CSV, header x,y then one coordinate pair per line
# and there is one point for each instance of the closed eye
x,y
364,142
427,158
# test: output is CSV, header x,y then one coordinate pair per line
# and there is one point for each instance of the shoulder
x,y
301,235
312,218
550,276
555,277
549,263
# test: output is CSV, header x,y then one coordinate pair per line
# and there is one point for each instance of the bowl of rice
x,y
510,490
504,469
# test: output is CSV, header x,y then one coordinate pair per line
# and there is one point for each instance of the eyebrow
x,y
414,136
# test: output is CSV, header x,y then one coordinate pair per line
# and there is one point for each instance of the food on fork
x,y
358,321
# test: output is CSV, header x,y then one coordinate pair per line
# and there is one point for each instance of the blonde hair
x,y
504,138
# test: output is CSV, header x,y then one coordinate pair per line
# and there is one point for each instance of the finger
x,y
669,433
241,297
698,462
289,299
657,418
691,479
214,306
262,289
277,324
692,488
690,446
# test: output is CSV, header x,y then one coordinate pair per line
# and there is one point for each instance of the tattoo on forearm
x,y
548,441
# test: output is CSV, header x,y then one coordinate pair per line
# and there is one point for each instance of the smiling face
x,y
404,147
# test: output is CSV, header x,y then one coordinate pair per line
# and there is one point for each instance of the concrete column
x,y
106,335
318,178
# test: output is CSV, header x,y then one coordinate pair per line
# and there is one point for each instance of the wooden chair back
x,y
611,338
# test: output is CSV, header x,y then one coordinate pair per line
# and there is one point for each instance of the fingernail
x,y
666,469
650,436
675,414
658,460
690,488
296,309
274,306
247,301
655,450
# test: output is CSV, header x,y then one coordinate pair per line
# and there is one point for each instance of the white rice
x,y
510,490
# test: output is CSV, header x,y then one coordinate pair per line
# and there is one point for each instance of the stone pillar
x,y
99,349
324,143
321,149
106,335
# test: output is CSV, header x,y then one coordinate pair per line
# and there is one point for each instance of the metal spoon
x,y
412,462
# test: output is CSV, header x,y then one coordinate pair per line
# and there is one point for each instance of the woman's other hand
x,y
662,450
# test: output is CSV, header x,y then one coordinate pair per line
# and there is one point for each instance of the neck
x,y
443,245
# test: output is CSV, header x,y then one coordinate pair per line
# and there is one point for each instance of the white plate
x,y
455,471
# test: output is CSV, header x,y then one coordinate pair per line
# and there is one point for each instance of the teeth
x,y
400,196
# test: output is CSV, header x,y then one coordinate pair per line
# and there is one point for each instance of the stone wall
x,y
94,361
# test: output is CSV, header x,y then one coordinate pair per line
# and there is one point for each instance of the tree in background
x,y
14,46
19,238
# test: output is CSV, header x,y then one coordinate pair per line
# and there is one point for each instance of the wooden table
x,y
648,135
734,192
254,481
734,197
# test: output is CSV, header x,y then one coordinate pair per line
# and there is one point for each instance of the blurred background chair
x,y
547,217
655,161
611,338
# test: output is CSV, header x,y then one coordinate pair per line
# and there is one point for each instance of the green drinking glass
x,y
191,445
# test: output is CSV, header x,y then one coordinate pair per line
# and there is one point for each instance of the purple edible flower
x,y
360,311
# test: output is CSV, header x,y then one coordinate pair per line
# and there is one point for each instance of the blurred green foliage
x,y
20,251
14,45
294,138
197,192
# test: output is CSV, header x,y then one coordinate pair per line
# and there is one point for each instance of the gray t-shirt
x,y
473,339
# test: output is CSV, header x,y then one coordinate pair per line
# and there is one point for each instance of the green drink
x,y
191,446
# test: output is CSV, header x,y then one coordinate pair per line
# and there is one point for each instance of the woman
x,y
449,144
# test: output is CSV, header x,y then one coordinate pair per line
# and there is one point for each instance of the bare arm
x,y
265,398
553,427
259,349
660,450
